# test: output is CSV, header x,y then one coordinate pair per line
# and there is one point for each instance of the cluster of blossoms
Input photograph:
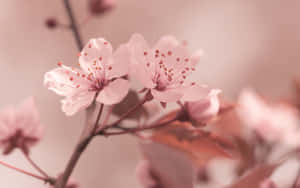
x,y
193,138
104,76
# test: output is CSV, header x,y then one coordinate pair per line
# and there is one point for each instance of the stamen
x,y
59,64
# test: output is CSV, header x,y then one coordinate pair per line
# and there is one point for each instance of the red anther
x,y
59,64
169,53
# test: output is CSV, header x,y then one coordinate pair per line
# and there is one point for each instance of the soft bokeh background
x,y
247,43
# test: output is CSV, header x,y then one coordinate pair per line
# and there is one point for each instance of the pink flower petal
x,y
77,102
95,55
195,58
195,93
29,118
65,81
114,92
140,72
119,66
168,95
166,43
205,108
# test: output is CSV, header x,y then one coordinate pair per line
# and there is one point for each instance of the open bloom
x,y
163,69
205,108
100,75
274,122
20,127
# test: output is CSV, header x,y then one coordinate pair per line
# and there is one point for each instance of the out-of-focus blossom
x,y
145,175
100,77
20,127
203,110
274,122
268,183
163,69
101,6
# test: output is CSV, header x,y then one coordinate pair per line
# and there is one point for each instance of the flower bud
x,y
51,23
98,7
202,111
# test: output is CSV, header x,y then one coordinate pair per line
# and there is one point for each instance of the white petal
x,y
168,95
120,64
65,81
114,92
97,53
77,102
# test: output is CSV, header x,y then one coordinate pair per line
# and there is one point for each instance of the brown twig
x,y
46,180
42,172
73,25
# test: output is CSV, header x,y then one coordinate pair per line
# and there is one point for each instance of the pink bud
x,y
101,6
51,23
204,110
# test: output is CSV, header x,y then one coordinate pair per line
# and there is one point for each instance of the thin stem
x,y
27,173
98,118
73,25
42,172
80,148
139,129
106,119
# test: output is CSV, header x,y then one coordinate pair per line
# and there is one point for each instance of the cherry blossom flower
x,y
163,69
206,108
274,122
20,127
100,77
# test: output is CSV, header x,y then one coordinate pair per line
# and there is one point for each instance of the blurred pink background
x,y
246,43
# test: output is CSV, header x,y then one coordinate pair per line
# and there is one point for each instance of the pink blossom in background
x,y
20,127
100,75
163,69
206,108
274,122
145,175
